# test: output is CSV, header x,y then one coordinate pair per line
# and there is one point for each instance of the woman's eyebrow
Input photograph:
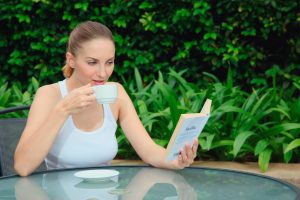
x,y
95,59
92,58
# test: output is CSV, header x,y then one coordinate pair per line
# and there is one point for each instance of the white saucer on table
x,y
97,175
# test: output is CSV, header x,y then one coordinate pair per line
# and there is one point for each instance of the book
x,y
189,127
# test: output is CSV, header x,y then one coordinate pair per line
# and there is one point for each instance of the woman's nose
x,y
101,71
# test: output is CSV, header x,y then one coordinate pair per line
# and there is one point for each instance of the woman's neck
x,y
73,83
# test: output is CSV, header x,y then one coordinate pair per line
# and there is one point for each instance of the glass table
x,y
144,182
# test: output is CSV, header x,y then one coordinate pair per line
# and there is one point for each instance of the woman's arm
x,y
47,115
44,120
145,147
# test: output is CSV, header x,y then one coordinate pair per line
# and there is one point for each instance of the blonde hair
x,y
84,32
67,71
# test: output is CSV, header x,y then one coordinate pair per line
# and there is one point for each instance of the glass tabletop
x,y
144,182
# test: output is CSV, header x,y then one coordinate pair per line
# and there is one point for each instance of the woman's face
x,y
94,62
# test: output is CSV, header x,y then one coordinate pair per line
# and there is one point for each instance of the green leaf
x,y
171,97
84,6
259,103
26,98
67,16
288,155
209,140
264,159
145,5
138,80
3,88
120,22
149,119
17,92
279,110
240,140
23,18
228,108
213,77
229,79
273,71
260,146
282,128
4,98
35,83
222,143
142,107
258,81
179,78
292,145
210,35
121,138
203,143
249,32
161,142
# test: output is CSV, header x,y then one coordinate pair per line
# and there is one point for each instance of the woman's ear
x,y
70,59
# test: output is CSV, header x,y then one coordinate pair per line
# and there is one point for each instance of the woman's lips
x,y
99,82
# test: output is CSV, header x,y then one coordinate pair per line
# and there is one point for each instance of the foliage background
x,y
242,46
248,36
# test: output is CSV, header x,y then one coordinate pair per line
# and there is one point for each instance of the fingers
x,y
80,98
195,148
181,163
87,94
188,154
86,89
185,157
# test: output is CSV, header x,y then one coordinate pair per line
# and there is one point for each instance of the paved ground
x,y
286,172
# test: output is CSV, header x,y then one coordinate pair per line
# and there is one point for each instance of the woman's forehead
x,y
98,48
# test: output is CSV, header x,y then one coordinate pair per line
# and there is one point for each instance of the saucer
x,y
97,175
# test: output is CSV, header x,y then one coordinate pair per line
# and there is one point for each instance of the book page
x,y
189,130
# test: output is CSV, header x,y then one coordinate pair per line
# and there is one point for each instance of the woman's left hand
x,y
186,156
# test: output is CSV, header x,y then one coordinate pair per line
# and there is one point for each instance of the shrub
x,y
248,36
257,126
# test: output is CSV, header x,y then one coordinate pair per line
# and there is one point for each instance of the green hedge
x,y
248,36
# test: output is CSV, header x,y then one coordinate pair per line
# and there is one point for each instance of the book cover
x,y
189,127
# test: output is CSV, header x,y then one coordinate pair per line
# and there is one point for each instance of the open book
x,y
187,129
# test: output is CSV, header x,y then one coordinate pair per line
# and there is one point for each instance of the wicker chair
x,y
10,132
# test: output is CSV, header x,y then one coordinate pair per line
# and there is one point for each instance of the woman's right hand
x,y
78,99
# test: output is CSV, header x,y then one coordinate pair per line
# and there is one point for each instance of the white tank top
x,y
74,148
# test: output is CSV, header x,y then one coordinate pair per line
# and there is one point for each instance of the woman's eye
x,y
111,62
92,63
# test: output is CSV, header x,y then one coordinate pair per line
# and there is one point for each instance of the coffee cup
x,y
106,93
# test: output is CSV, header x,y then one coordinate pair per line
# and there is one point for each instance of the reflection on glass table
x,y
142,182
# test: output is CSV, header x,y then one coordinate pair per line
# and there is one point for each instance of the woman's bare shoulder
x,y
122,101
50,92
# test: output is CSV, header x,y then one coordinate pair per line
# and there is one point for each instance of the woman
x,y
66,126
